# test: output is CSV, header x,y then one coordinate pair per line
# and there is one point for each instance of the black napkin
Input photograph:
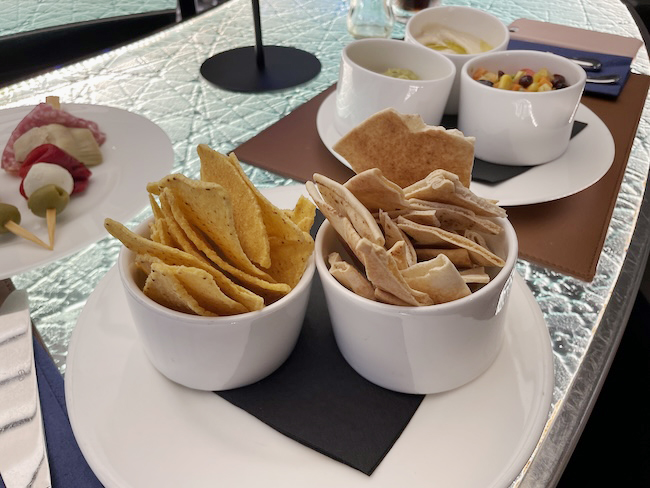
x,y
493,173
317,399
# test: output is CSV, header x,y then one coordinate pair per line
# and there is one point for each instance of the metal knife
x,y
23,453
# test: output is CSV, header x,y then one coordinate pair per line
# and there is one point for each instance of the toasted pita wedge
x,y
445,187
375,191
451,217
399,254
475,275
350,277
342,199
433,236
383,273
406,149
385,297
438,278
393,235
460,257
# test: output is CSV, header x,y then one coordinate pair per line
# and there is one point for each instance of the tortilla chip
x,y
281,230
247,216
405,149
194,288
172,256
267,288
303,214
207,206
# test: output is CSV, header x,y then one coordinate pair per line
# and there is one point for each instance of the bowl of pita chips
x,y
416,279
218,280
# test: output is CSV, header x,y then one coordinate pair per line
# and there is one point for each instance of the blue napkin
x,y
612,64
68,467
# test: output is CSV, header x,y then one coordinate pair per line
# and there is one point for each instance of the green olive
x,y
7,213
50,196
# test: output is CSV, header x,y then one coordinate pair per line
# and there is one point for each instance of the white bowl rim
x,y
496,48
440,57
125,262
582,74
510,263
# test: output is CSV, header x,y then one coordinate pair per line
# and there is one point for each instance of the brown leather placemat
x,y
566,235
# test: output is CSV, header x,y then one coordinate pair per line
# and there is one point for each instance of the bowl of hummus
x,y
460,33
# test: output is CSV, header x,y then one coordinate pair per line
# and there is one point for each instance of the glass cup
x,y
403,10
370,18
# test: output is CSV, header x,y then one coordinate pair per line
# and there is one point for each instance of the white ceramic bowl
x,y
363,90
419,350
517,127
215,353
469,20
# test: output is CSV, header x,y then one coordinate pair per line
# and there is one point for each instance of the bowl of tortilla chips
x,y
218,280
416,279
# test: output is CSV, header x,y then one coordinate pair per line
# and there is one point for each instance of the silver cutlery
x,y
589,64
23,453
604,79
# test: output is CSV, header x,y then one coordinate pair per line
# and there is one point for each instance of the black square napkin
x,y
317,399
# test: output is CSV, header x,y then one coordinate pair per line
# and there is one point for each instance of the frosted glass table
x,y
158,78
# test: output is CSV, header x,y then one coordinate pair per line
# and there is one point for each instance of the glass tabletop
x,y
22,16
158,77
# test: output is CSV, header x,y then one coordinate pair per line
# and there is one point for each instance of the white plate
x,y
589,156
136,428
136,152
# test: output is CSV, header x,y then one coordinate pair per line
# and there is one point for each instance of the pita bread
x,y
375,191
350,277
406,149
438,278
342,199
433,236
444,187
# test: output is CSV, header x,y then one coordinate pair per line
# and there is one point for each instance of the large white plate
x,y
136,152
136,428
589,156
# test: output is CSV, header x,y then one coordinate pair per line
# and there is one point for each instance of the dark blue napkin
x,y
68,467
611,65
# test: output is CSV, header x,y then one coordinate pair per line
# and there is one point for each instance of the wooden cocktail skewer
x,y
16,229
50,215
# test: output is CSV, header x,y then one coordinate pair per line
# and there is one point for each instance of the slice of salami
x,y
44,114
49,153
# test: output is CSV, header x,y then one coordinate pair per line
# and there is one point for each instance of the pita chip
x,y
350,277
445,187
375,191
438,278
406,149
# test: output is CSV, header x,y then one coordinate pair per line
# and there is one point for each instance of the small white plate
x,y
136,152
588,158
136,428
